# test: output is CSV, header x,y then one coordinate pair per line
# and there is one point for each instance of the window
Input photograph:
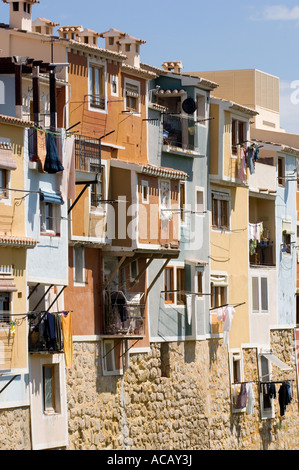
x,y
50,218
199,202
133,270
132,97
267,405
169,285
114,85
220,212
97,189
236,367
199,278
145,193
201,109
182,201
51,388
15,6
4,307
219,284
260,294
79,263
3,184
281,171
238,134
112,362
97,86
180,286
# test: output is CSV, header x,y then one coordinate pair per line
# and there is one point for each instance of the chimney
x,y
20,14
125,44
174,65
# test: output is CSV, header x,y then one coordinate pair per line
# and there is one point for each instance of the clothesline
x,y
227,305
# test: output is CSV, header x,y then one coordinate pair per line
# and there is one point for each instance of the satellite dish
x,y
189,106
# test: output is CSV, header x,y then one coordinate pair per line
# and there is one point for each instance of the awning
x,y
277,362
287,227
6,160
53,198
7,284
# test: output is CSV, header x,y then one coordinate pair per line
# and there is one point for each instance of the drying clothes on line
x,y
256,231
66,323
250,402
49,329
284,397
189,307
226,314
252,155
52,164
241,398
242,165
119,302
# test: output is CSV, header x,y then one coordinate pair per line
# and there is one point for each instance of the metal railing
x,y
263,255
122,317
88,154
179,131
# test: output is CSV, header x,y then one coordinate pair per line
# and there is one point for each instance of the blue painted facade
x,y
185,150
286,228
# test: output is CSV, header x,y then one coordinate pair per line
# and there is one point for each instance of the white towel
x,y
189,307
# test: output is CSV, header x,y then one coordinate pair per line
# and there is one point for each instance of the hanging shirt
x,y
229,314
250,395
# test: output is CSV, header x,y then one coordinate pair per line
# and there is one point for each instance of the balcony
x,y
179,133
87,154
123,317
45,333
262,255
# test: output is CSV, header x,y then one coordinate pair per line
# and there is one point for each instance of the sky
x,y
204,35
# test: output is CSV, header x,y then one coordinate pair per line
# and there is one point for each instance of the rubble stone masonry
x,y
176,397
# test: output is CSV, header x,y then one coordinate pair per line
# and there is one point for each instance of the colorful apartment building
x,y
14,247
149,218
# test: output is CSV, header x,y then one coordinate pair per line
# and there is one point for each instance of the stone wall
x,y
177,396
15,429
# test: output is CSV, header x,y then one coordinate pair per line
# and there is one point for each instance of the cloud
x,y
278,13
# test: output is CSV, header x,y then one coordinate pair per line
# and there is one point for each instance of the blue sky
x,y
204,35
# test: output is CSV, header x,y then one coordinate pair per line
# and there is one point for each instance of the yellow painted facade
x,y
229,246
13,247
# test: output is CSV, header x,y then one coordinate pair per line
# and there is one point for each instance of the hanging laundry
x,y
229,314
52,164
41,147
67,185
119,302
66,323
242,398
250,395
50,332
255,231
189,307
242,166
284,397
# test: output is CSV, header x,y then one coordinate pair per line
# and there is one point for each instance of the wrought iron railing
x,y
122,317
179,131
88,154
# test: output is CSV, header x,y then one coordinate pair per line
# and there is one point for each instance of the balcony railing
x,y
88,154
45,333
122,317
179,132
262,255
